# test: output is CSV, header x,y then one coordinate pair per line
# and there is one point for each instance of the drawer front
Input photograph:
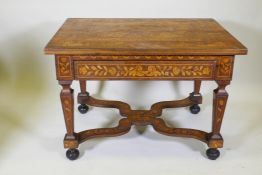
x,y
144,70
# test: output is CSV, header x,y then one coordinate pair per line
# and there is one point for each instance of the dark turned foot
x,y
212,153
83,108
194,109
72,154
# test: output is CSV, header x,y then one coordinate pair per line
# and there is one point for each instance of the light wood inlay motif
x,y
67,109
141,117
64,66
92,70
122,128
160,126
70,143
67,100
216,143
225,67
221,104
143,57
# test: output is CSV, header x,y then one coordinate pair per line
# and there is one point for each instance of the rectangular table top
x,y
84,36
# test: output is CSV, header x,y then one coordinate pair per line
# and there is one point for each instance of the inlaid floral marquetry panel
x,y
143,70
64,67
225,67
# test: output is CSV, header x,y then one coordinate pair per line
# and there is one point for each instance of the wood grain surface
x,y
143,37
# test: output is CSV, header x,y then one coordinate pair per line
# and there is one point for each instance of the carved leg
x,y
67,100
219,104
196,97
82,108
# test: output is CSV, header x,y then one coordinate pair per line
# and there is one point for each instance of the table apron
x,y
190,68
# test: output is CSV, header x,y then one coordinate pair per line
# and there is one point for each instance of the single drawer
x,y
144,70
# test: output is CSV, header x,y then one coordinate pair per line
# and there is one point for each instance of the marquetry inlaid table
x,y
143,49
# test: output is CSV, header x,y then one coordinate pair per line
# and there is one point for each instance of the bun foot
x,y
72,154
212,153
194,109
83,108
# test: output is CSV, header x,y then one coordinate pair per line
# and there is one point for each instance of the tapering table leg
x,y
196,97
220,97
82,108
67,100
197,85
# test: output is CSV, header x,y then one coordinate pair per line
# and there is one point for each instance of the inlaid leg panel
x,y
219,104
67,101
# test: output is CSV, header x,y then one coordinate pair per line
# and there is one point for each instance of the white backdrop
x,y
31,123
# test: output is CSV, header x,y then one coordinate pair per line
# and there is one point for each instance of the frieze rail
x,y
91,70
175,67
